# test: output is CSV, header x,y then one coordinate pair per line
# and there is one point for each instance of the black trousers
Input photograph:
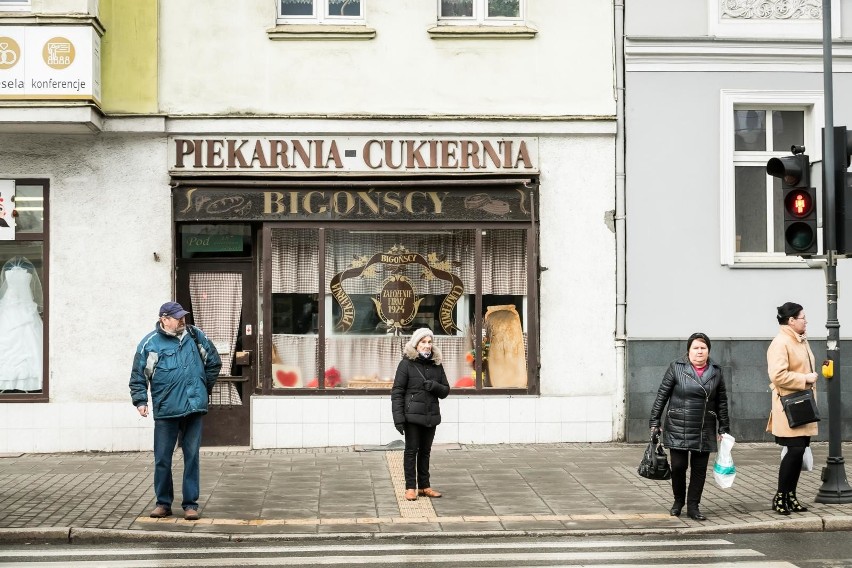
x,y
697,463
415,460
791,464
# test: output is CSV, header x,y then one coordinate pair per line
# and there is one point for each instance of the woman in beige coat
x,y
791,369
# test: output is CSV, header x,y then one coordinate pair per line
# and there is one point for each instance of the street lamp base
x,y
835,488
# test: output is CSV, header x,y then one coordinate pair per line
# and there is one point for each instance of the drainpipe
x,y
620,409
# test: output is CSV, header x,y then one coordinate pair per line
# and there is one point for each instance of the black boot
x,y
779,504
693,513
676,508
793,504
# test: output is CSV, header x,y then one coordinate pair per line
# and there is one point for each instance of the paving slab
x,y
510,489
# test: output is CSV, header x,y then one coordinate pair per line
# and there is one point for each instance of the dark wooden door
x,y
221,299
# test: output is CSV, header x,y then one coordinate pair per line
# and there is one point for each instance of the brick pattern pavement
x,y
502,488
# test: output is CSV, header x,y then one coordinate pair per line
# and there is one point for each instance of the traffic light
x,y
798,202
842,190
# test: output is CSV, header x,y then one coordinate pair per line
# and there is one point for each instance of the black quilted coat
x,y
695,406
410,400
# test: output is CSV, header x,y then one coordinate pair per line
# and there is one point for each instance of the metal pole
x,y
835,488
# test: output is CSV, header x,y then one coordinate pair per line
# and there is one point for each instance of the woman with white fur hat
x,y
420,381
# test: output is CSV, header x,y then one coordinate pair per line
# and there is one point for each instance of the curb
x,y
46,535
71,535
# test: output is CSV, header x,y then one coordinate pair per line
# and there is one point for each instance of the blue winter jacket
x,y
181,373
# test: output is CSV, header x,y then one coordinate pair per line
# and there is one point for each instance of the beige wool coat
x,y
789,358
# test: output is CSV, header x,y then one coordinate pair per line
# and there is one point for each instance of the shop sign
x,y
485,203
354,154
396,302
7,208
50,62
212,243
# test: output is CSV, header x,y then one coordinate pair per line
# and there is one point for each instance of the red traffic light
x,y
799,204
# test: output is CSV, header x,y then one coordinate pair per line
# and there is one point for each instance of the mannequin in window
x,y
21,328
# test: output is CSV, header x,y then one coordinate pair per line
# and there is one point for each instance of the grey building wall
x,y
744,367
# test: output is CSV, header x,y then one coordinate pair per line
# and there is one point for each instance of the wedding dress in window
x,y
21,330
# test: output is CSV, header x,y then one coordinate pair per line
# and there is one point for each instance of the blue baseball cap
x,y
172,309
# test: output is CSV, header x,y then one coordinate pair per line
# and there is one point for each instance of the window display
x,y
378,286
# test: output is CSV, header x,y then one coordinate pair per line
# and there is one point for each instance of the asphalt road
x,y
783,550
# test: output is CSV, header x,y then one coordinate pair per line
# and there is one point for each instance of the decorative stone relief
x,y
772,9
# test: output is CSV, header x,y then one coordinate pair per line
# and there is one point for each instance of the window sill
x,y
481,32
776,262
285,32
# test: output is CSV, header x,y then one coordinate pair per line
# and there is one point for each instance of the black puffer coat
x,y
695,407
410,400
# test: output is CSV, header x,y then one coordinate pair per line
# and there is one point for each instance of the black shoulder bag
x,y
800,407
655,463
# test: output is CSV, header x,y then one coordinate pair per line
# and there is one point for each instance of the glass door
x,y
220,297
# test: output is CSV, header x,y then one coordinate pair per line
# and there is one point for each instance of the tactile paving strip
x,y
407,509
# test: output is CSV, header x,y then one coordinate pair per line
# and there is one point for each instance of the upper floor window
x,y
481,12
757,126
321,11
17,5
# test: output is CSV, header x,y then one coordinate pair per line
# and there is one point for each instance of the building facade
x,y
313,180
716,89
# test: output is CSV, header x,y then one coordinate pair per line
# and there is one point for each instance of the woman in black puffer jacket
x,y
420,381
694,389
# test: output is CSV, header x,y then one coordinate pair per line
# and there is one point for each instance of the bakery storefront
x,y
308,261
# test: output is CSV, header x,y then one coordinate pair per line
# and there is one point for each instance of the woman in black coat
x,y
694,389
420,381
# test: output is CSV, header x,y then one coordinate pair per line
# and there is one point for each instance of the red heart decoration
x,y
286,379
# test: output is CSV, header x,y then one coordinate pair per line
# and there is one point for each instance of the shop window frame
x,y
43,237
531,318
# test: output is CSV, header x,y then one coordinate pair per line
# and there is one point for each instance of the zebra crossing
x,y
568,552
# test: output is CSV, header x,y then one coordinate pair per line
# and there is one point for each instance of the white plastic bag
x,y
807,459
724,471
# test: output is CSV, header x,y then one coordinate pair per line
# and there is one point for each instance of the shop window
x,y
481,12
756,127
379,286
321,11
23,290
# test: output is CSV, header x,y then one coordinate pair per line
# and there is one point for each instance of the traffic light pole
x,y
835,488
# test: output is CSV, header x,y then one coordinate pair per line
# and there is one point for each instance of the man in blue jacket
x,y
181,365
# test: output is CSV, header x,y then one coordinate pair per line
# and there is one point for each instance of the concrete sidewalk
x,y
344,492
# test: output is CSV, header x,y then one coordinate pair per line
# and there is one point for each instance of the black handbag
x,y
800,408
655,463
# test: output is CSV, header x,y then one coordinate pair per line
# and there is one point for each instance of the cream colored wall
x,y
211,64
65,7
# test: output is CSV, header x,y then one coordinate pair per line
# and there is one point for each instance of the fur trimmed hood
x,y
411,353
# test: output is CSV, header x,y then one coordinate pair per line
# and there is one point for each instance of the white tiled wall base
x,y
74,427
305,422
298,422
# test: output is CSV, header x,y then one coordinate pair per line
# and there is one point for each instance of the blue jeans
x,y
165,438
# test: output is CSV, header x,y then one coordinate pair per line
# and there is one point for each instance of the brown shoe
x,y
411,495
161,511
190,514
429,492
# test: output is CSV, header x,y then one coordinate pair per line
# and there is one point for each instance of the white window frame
x,y
322,17
811,102
764,27
14,6
480,9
